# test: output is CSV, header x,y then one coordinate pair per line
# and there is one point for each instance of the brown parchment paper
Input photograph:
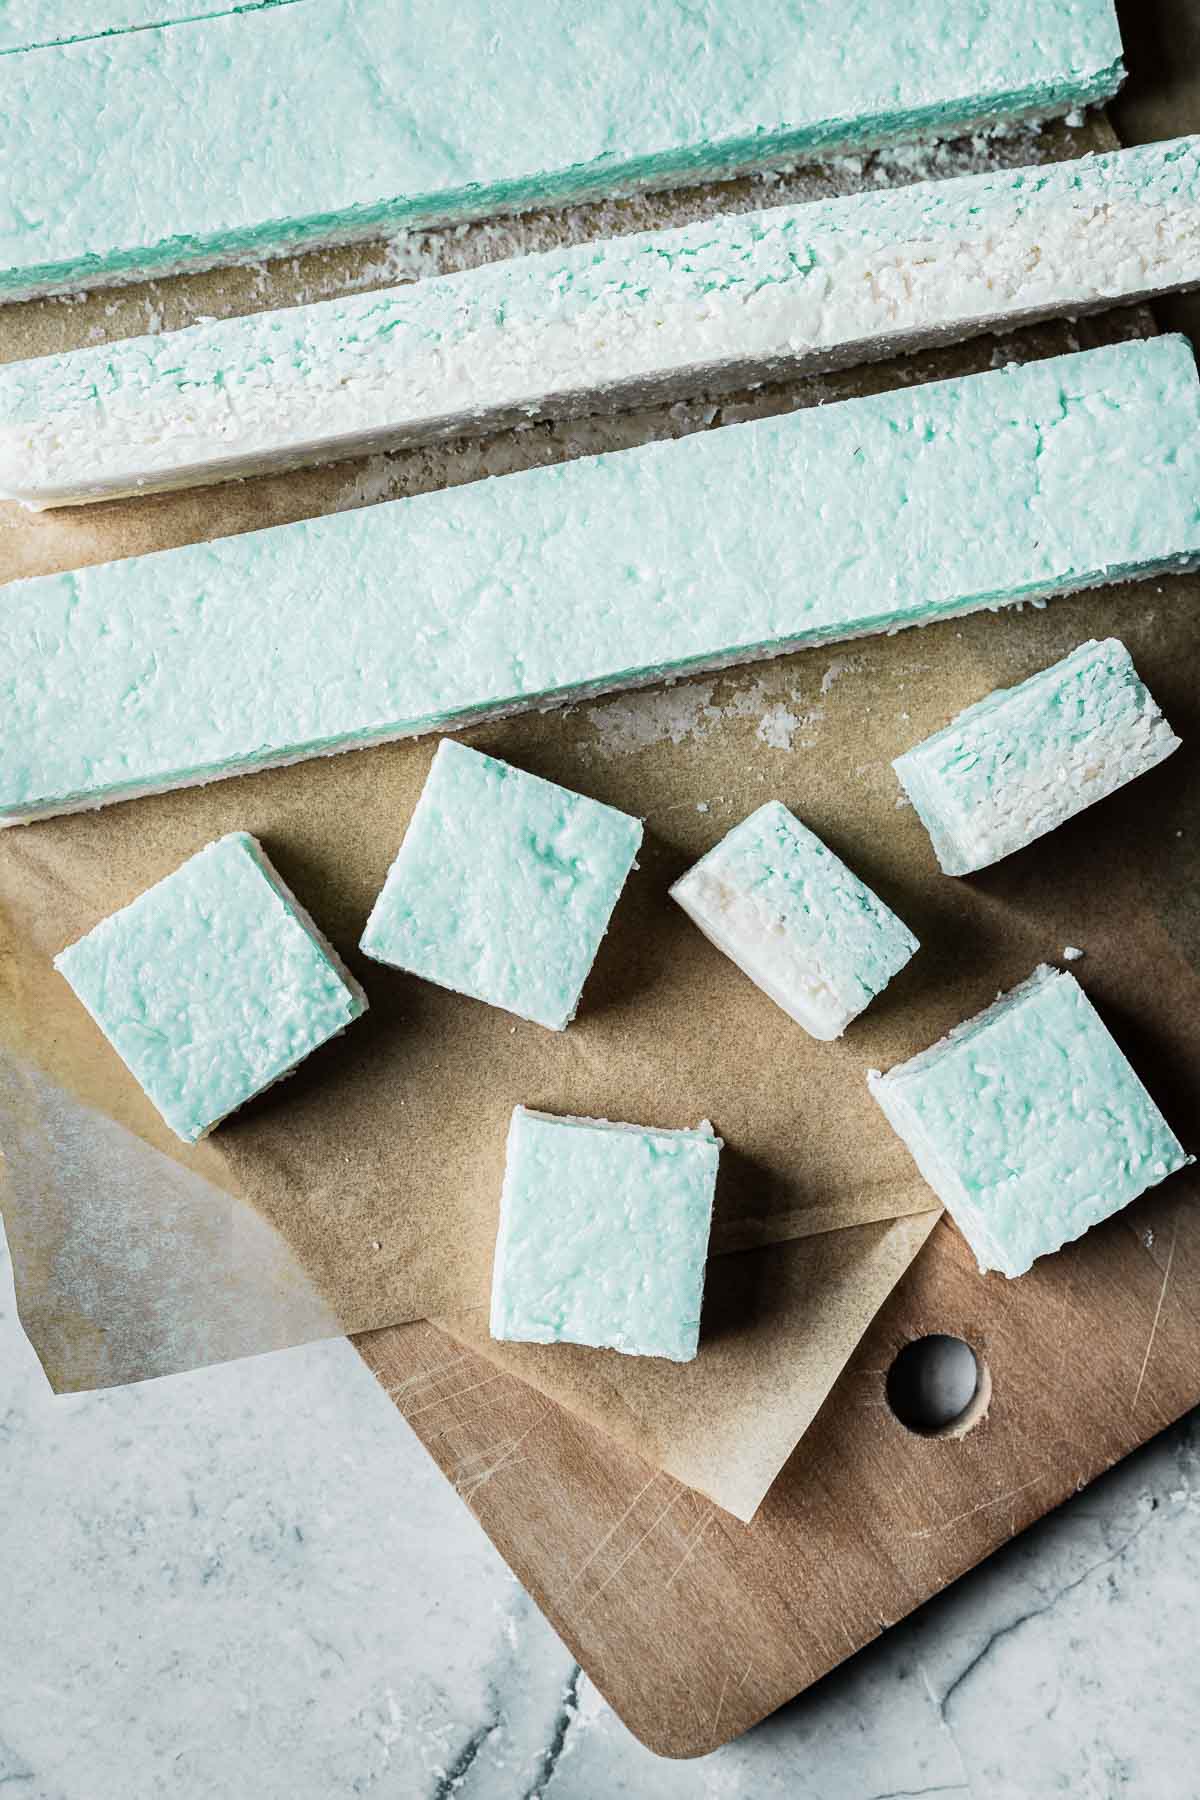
x,y
366,1186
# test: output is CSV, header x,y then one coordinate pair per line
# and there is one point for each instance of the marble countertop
x,y
196,1601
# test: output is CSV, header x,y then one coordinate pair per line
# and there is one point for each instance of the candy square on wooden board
x,y
503,887
212,985
1028,1122
1027,758
603,1235
796,920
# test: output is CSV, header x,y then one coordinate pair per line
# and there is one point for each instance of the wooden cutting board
x,y
694,1626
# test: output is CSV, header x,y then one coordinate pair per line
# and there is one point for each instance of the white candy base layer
x,y
803,996
634,320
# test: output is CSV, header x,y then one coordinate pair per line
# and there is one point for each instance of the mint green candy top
x,y
1026,758
257,132
211,985
503,886
34,24
1029,1123
603,1235
608,571
796,920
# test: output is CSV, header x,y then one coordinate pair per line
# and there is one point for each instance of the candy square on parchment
x,y
1025,759
603,1235
796,920
1029,1123
212,984
503,887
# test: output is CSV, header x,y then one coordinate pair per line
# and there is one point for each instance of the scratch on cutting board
x,y
611,1532
445,1399
841,1588
468,1422
691,1700
1157,1316
422,1376
720,1707
724,1690
693,1545
997,1500
613,1573
472,1485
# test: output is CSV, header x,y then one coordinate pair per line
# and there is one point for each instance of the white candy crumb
x,y
1072,953
841,665
655,717
370,483
702,806
778,726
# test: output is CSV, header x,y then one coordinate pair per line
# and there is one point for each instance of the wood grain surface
x,y
694,1626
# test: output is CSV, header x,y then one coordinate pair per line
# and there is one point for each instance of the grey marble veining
x,y
251,1584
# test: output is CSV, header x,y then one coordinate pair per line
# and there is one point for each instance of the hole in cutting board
x,y
938,1387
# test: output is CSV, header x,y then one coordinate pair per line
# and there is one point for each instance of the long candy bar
x,y
815,286
613,571
264,132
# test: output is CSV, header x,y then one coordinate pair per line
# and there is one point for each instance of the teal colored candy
x,y
1029,1123
212,984
1022,761
613,570
801,924
503,886
603,1235
249,134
